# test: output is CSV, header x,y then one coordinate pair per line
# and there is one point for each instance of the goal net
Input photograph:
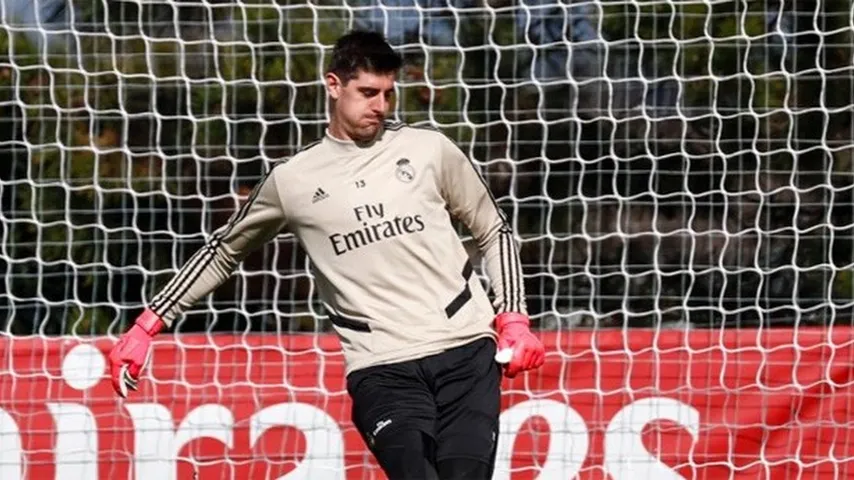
x,y
678,174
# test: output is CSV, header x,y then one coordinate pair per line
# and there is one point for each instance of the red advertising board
x,y
606,405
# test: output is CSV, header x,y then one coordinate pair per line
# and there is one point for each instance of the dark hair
x,y
362,50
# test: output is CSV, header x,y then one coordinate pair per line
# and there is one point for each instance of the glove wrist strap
x,y
507,318
150,322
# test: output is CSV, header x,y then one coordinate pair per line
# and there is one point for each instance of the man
x,y
370,204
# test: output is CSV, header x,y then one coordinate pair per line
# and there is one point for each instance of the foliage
x,y
765,180
142,129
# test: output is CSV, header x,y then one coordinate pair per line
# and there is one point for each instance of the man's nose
x,y
380,104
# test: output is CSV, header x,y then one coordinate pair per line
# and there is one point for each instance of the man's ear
x,y
333,85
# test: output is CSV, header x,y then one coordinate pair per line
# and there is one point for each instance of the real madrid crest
x,y
405,173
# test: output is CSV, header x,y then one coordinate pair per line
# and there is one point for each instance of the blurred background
x,y
681,165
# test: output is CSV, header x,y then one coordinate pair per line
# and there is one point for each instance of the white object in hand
x,y
504,355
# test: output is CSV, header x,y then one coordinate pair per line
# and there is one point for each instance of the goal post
x,y
678,175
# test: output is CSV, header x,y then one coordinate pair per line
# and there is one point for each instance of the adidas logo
x,y
319,195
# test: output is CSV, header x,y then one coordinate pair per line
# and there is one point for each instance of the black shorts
x,y
453,397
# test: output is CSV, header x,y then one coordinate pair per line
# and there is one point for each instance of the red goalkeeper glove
x,y
518,348
132,352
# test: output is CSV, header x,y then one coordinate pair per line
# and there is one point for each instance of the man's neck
x,y
338,134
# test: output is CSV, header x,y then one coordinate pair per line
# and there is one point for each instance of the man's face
x,y
362,104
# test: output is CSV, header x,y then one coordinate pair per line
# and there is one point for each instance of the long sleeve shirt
x,y
375,220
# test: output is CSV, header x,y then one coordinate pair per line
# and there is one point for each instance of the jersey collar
x,y
349,146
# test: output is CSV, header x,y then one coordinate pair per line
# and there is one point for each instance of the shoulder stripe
x,y
393,125
193,269
427,126
498,209
510,264
309,146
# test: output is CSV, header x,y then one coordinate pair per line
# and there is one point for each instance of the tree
x,y
743,225
144,134
686,119
137,141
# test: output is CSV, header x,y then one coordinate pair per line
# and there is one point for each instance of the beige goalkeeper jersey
x,y
392,273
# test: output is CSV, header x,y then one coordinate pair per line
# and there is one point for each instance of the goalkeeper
x,y
370,204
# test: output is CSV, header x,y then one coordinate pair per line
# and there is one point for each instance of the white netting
x,y
666,164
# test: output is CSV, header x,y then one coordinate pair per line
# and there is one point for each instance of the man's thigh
x,y
390,398
468,400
